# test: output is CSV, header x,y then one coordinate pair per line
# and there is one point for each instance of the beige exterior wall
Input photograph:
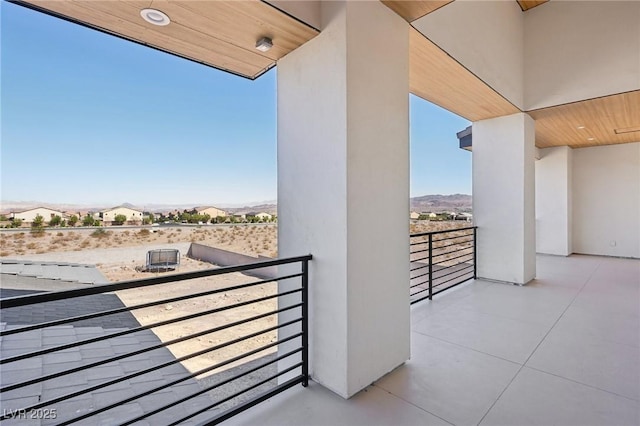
x,y
212,211
131,214
264,216
28,216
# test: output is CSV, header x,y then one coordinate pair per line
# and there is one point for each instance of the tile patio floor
x,y
563,350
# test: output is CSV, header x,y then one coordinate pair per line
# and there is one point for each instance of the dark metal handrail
x,y
442,254
297,343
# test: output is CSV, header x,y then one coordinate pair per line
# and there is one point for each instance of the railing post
x,y
430,266
305,323
475,251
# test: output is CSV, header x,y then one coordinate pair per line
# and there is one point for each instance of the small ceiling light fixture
x,y
264,44
155,17
580,127
591,139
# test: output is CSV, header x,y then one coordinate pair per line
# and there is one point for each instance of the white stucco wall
x,y
606,200
579,50
553,201
343,142
487,37
504,197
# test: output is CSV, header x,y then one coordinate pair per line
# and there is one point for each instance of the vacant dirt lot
x,y
248,239
117,253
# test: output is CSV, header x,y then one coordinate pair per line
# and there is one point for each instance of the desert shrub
x,y
73,220
119,219
37,232
88,221
99,233
59,234
144,233
16,223
55,221
32,246
18,236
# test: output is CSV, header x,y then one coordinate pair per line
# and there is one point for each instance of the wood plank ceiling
x,y
530,4
602,121
438,78
412,9
221,34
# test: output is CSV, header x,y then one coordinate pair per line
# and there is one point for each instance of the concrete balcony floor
x,y
563,350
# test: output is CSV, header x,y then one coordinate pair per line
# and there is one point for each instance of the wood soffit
x,y
411,10
221,34
438,78
601,121
530,4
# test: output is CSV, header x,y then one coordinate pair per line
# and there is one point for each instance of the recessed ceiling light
x,y
264,44
155,17
580,127
591,139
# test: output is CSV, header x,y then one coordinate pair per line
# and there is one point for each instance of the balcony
x,y
563,350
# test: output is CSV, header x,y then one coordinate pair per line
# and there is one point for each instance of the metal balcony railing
x,y
228,393
440,260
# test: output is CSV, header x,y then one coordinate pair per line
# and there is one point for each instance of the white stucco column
x,y
504,197
553,201
343,189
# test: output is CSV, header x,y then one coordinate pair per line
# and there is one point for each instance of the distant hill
x,y
439,203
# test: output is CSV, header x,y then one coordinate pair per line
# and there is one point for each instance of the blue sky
x,y
91,119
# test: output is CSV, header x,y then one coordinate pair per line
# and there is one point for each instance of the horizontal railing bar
x,y
182,379
135,307
422,298
418,276
453,278
163,365
451,286
207,389
453,238
441,232
457,246
419,259
420,251
11,302
452,258
419,267
419,284
419,243
147,349
248,404
451,273
418,292
449,267
254,401
143,327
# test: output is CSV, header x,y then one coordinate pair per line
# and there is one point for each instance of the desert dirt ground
x,y
117,253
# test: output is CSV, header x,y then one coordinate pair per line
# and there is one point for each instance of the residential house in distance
x,y
414,215
134,217
211,211
29,215
260,215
